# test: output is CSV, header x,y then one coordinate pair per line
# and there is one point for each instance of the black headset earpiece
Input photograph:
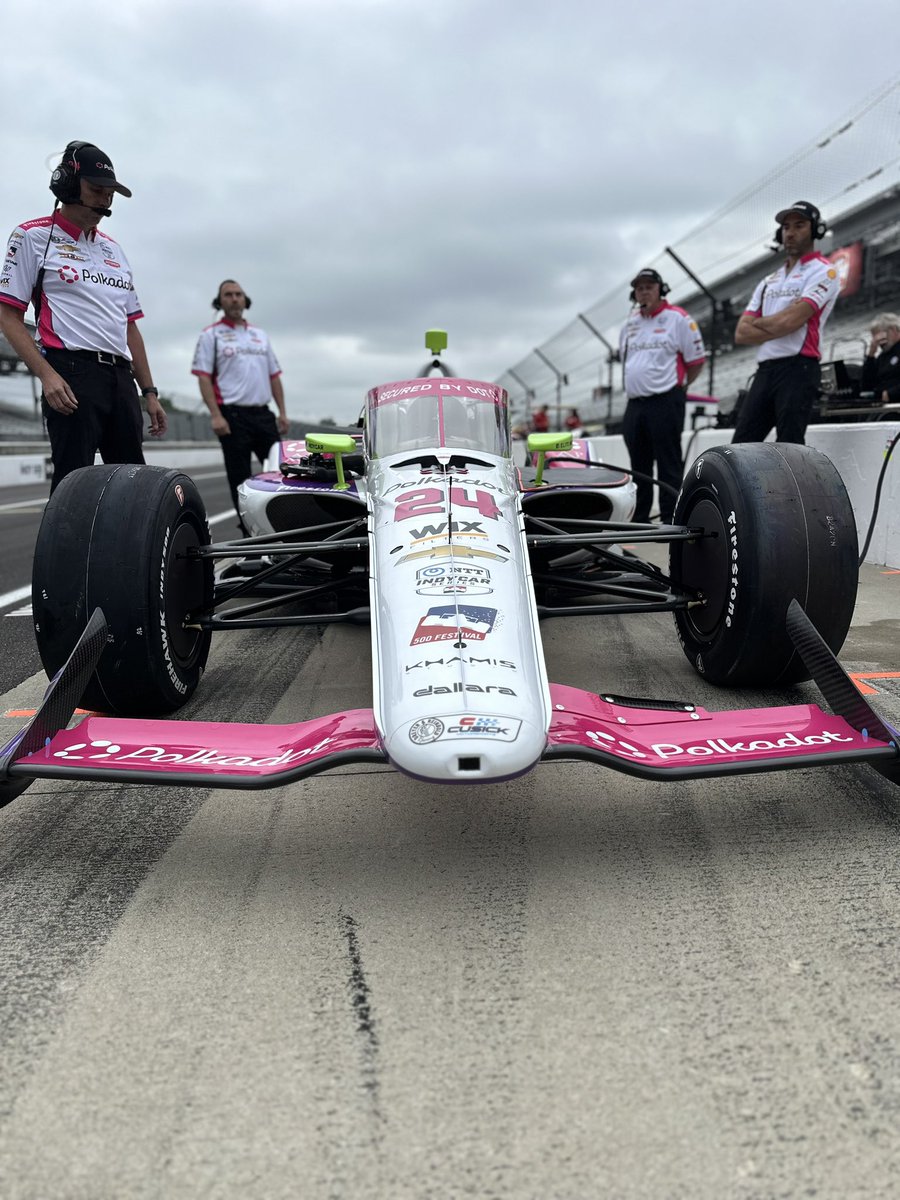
x,y
818,226
64,182
217,303
664,290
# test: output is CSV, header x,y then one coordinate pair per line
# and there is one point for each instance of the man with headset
x,y
91,351
238,375
662,353
785,318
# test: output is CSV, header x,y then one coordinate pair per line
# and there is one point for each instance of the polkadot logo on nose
x,y
106,749
68,274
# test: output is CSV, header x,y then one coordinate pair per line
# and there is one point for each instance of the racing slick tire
x,y
783,528
118,537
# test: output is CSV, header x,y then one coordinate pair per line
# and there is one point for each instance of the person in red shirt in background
x,y
540,422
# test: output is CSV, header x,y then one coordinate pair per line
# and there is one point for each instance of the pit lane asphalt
x,y
572,985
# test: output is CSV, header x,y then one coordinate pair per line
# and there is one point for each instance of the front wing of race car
x,y
645,738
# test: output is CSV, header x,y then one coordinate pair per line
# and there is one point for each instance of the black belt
x,y
658,395
99,356
786,358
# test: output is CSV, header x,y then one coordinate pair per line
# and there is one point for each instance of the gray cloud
x,y
367,168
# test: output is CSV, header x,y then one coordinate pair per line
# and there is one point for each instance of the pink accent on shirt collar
x,y
72,230
656,311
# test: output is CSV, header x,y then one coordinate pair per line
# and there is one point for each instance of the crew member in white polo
x,y
785,318
90,351
662,353
239,375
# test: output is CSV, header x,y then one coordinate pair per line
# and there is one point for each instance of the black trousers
x,y
253,431
652,430
108,417
781,397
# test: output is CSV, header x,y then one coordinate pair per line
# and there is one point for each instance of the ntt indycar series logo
x,y
453,579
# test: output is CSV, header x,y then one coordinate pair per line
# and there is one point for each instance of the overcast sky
x,y
369,168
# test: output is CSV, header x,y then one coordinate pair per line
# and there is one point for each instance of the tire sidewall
x,y
789,532
120,531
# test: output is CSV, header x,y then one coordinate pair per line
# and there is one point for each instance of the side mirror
x,y
543,443
337,444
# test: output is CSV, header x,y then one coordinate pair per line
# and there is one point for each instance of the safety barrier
x,y
858,452
29,462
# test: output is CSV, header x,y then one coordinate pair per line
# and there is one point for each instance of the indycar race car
x,y
453,547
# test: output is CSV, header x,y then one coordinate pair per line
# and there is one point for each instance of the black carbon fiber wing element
x,y
836,686
59,703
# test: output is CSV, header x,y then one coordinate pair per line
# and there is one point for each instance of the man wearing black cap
x,y
662,353
785,318
91,351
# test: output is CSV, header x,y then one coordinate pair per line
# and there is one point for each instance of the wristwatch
x,y
150,391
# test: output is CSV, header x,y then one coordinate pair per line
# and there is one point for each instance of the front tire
x,y
121,538
782,528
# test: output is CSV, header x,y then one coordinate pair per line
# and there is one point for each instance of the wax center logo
x,y
450,622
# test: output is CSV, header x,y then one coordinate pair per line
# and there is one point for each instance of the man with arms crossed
x,y
785,318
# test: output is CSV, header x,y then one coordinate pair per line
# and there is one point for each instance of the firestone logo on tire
x,y
68,274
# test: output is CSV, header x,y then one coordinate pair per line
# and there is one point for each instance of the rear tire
x,y
118,537
784,528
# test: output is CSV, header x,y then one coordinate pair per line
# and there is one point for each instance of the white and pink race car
x,y
428,526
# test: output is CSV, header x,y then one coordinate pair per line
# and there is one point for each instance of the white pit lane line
x,y
24,593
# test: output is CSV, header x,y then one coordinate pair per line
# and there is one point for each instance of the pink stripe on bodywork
x,y
405,389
